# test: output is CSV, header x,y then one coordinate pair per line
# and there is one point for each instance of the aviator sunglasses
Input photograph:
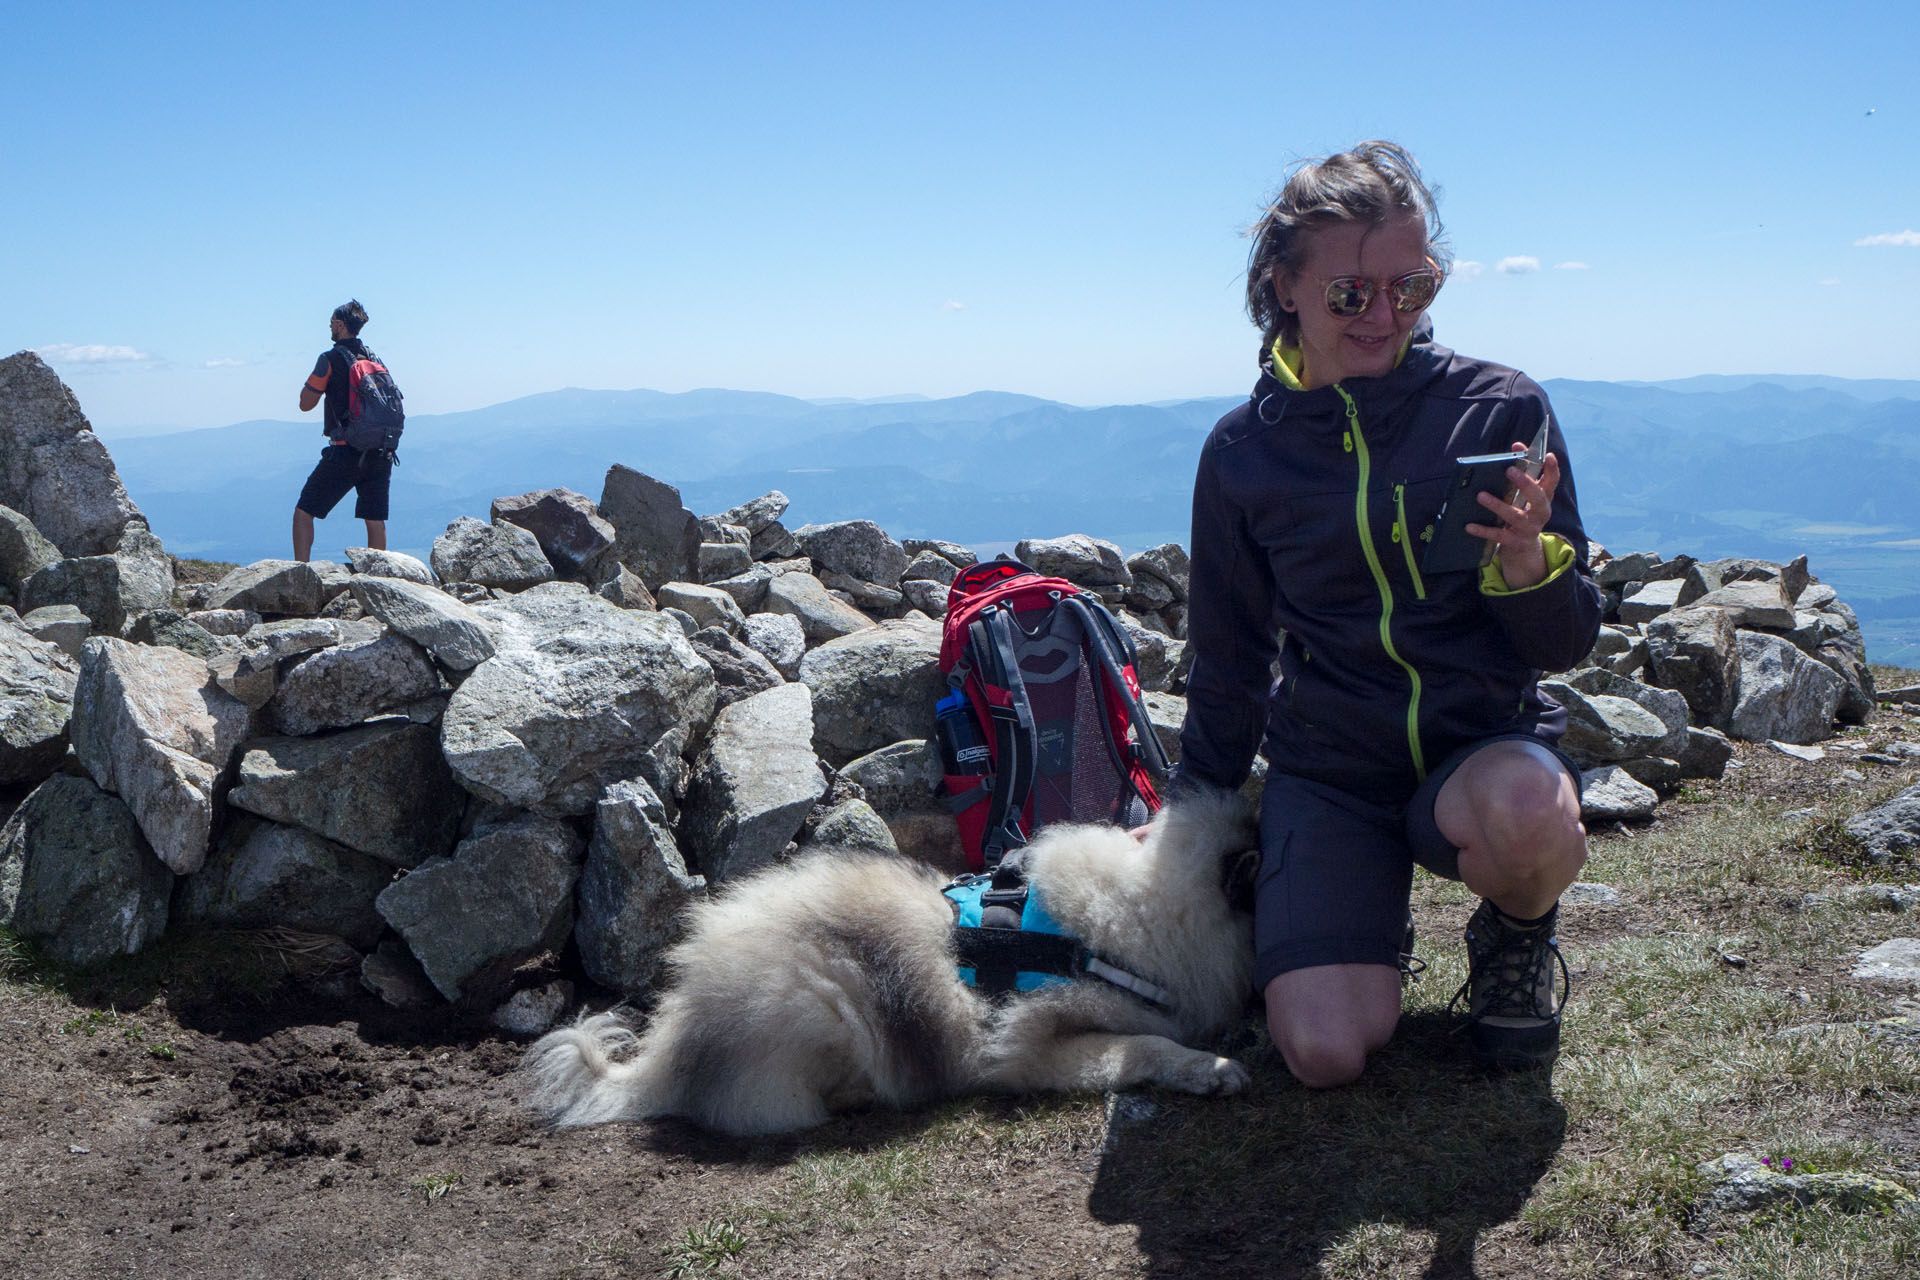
x,y
1349,296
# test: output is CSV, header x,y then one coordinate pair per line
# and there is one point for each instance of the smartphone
x,y
1453,548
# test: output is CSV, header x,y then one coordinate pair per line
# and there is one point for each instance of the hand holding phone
x,y
1452,547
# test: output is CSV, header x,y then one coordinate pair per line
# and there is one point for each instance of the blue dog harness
x,y
999,956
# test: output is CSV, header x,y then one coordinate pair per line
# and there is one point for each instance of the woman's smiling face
x,y
1366,345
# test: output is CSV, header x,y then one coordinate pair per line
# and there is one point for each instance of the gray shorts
x,y
1336,870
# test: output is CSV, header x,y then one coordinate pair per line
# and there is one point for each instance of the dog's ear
x,y
1238,870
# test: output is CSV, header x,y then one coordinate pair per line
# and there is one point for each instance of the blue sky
x,y
862,200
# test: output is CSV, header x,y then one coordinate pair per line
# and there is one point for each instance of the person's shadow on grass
x,y
1400,1173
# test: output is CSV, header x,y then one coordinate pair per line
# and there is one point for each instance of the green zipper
x,y
1356,443
1404,536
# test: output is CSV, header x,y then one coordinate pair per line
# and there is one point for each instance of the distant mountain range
x,y
1712,466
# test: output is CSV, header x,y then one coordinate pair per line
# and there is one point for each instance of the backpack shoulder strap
x,y
990,646
1114,650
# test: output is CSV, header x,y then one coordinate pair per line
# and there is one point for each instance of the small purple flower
x,y
1767,1161
1786,1164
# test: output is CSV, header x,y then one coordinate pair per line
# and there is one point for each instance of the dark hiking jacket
x,y
1310,512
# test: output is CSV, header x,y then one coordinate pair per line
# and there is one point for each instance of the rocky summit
x,y
579,715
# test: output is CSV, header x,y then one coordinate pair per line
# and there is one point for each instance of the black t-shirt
x,y
332,368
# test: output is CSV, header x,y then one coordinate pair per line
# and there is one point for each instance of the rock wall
x,y
582,715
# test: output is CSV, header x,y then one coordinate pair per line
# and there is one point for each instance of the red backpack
x,y
1045,722
375,416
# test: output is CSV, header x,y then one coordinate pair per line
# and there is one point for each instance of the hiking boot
x,y
1411,965
1513,1000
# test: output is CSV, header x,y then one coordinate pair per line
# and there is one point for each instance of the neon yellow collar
x,y
1290,363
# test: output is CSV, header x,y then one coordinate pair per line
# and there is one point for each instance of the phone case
x,y
1453,548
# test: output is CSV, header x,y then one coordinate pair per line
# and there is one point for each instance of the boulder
x,y
53,469
171,627
717,560
23,551
926,595
1611,794
866,596
1696,653
224,622
779,639
1785,696
569,528
634,889
1621,570
264,875
271,586
1705,753
375,562
960,557
452,632
708,606
37,681
622,587
1167,712
930,566
872,688
858,548
1756,604
902,783
821,616
579,695
504,896
774,543
1603,729
348,683
1090,562
753,785
498,555
1167,563
1154,655
1668,705
1643,602
654,535
112,588
852,824
382,789
1890,830
150,725
89,887
756,513
739,670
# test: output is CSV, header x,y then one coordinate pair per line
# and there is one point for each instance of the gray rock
x,y
749,588
1697,653
224,622
1784,695
170,627
1738,1183
382,789
1588,896
62,625
264,875
1167,562
681,619
708,606
578,695
754,784
1755,605
903,785
533,1011
958,556
499,555
391,972
23,551
654,535
504,896
53,469
113,588
926,595
858,548
756,514
739,670
716,560
1890,830
1090,562
271,586
37,683
821,616
1621,570
1648,600
1895,960
569,528
1611,794
779,639
1154,655
349,683
150,725
89,887
1148,594
1705,753
1658,772
1167,712
622,587
633,891
452,632
930,566
774,543
1602,728
866,596
852,824
374,562
872,688
1669,706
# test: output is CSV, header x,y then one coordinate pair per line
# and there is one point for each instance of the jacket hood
x,y
1425,360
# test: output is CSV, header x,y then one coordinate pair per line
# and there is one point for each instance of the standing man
x,y
341,466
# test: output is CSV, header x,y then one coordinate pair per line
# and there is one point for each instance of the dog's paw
x,y
1206,1074
1229,1076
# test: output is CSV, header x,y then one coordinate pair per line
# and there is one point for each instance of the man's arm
x,y
316,384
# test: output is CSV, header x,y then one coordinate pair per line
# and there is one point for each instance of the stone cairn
x,y
581,715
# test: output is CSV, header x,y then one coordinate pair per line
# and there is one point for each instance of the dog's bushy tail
x,y
589,1073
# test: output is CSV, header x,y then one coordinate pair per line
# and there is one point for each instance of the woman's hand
x,y
1523,559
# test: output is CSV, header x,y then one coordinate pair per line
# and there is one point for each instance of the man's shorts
x,y
1336,870
342,468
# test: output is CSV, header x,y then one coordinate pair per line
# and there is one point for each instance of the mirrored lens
x,y
1348,296
1414,290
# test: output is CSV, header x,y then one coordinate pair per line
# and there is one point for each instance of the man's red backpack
x,y
375,416
1045,722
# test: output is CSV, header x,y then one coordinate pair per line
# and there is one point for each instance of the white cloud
x,y
951,305
1468,270
1571,266
88,353
1831,280
1518,265
1908,238
222,362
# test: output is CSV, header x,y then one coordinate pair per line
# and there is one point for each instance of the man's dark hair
x,y
351,314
